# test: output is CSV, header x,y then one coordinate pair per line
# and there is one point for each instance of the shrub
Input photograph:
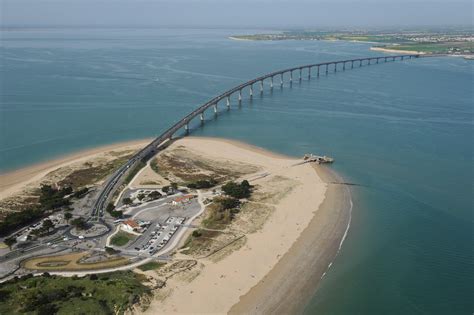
x,y
238,191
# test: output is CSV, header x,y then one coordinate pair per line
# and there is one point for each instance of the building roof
x,y
183,198
132,224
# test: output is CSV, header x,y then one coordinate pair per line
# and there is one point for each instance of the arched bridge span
x,y
147,152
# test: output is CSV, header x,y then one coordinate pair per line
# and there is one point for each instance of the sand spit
x,y
14,182
280,260
289,286
278,265
388,50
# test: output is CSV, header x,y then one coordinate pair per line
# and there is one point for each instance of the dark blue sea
x,y
402,131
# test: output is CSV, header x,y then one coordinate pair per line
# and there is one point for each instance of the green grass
x,y
434,47
121,238
111,293
152,265
134,172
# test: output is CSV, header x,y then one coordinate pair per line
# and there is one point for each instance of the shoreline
x,y
278,293
13,181
308,254
281,265
397,51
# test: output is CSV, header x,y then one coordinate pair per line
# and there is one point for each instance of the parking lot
x,y
166,220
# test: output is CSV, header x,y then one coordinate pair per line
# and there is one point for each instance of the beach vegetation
x,y
134,171
81,192
127,201
111,293
221,212
50,199
202,184
239,191
152,265
90,174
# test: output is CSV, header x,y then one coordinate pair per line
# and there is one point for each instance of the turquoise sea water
x,y
403,131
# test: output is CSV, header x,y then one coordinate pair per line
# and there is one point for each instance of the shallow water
x,y
403,131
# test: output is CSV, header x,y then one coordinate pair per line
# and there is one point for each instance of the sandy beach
x,y
278,267
397,51
15,181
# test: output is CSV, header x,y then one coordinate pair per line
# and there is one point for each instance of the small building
x,y
181,200
130,225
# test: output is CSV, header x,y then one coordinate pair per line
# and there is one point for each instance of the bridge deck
x,y
115,180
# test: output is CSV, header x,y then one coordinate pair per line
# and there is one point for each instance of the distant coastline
x,y
388,50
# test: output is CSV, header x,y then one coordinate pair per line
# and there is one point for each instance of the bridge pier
x,y
201,117
344,66
215,108
377,60
240,96
309,73
261,86
291,76
271,82
281,79
327,68
335,67
385,59
228,101
360,63
368,61
186,128
352,64
300,74
251,90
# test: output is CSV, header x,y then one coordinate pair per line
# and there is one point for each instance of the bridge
x,y
150,150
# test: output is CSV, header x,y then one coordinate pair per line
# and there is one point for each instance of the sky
x,y
232,13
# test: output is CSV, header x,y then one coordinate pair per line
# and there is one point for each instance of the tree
x,y
79,223
155,195
110,207
67,216
127,201
174,186
116,214
166,189
238,191
202,183
9,241
141,196
47,225
228,203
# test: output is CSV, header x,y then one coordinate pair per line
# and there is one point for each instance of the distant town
x,y
429,41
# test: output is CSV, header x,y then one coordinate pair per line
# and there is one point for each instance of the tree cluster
x,y
239,191
202,184
79,223
50,199
114,213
